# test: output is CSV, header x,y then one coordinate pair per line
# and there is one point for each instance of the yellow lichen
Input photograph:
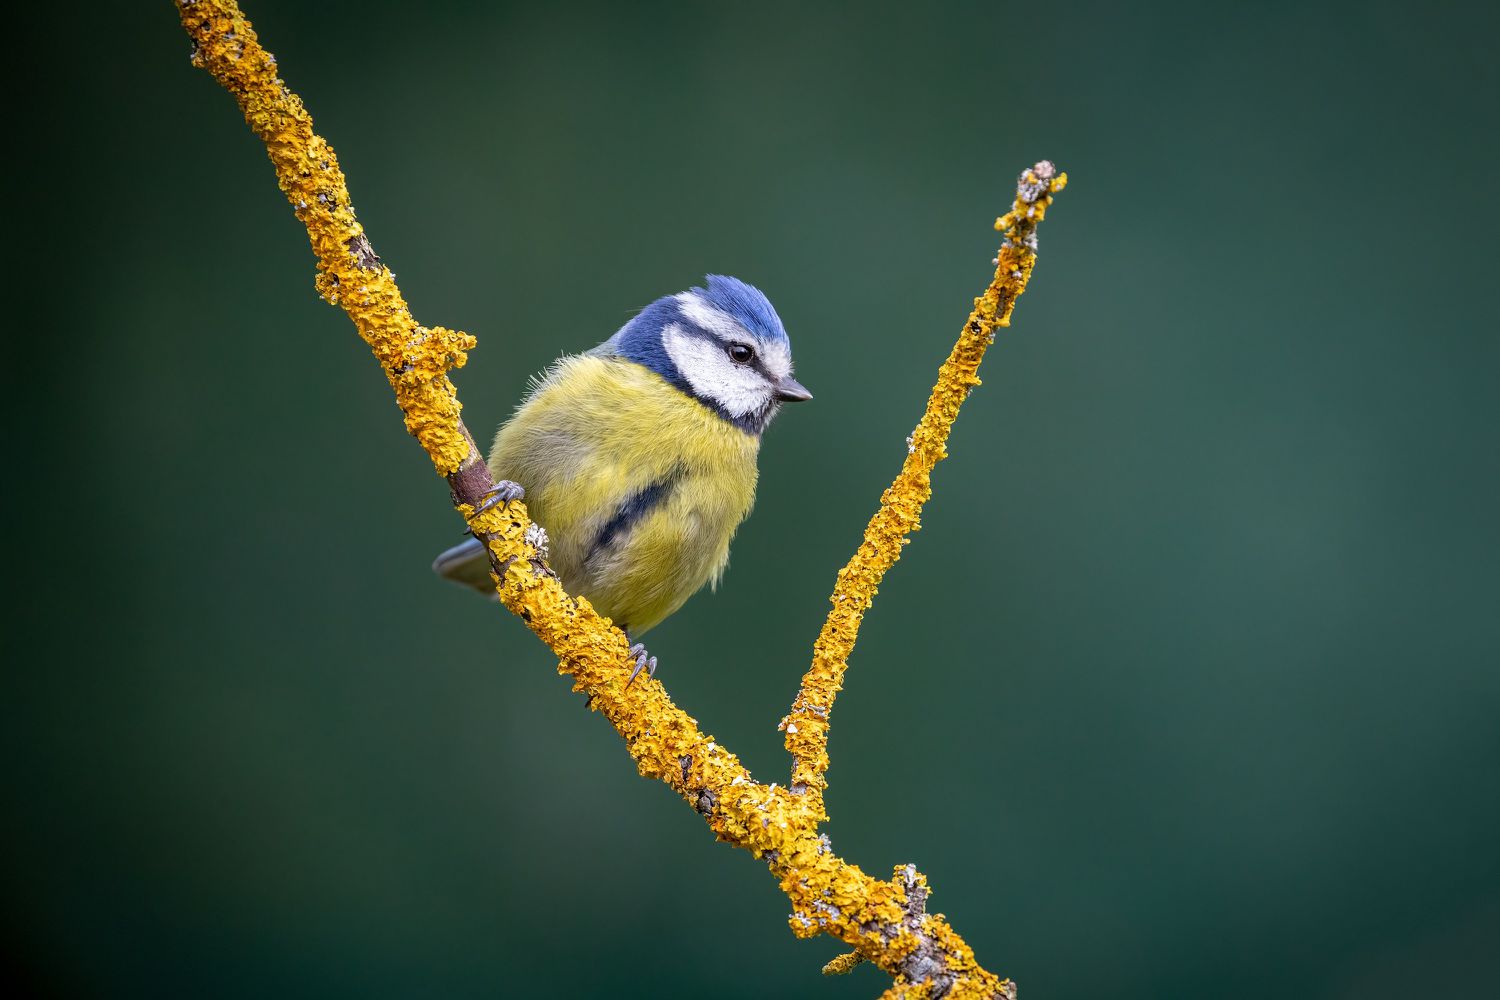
x,y
844,964
883,920
900,510
416,359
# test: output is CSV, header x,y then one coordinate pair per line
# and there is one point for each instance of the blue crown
x,y
749,307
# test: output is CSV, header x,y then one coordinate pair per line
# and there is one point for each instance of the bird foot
x,y
643,661
500,495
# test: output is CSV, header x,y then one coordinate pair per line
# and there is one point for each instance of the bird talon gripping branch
x,y
643,661
501,495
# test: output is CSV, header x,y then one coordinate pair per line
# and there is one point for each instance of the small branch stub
x,y
844,964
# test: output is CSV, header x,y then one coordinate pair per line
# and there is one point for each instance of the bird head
x,y
723,345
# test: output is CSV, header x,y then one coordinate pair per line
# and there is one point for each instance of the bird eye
x,y
741,353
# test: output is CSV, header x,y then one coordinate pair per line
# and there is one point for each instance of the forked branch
x,y
885,921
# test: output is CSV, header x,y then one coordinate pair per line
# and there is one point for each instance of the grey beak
x,y
789,390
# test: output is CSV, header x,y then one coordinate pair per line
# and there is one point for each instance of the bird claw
x,y
643,661
500,495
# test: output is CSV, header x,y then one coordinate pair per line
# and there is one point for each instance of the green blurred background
x,y
1189,687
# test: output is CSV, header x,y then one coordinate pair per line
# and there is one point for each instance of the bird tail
x,y
468,564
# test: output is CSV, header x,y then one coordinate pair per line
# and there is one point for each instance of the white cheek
x,y
710,373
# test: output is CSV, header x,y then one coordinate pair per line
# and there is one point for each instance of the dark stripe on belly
x,y
629,513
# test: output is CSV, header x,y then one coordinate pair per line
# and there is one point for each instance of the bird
x,y
639,457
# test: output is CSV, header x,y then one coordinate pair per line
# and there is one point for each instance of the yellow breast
x,y
639,486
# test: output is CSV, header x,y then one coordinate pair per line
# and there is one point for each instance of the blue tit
x,y
639,457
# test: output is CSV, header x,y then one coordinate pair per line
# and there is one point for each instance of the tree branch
x,y
900,510
885,921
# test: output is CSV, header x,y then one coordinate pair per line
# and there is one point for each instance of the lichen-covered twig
x,y
885,921
900,510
